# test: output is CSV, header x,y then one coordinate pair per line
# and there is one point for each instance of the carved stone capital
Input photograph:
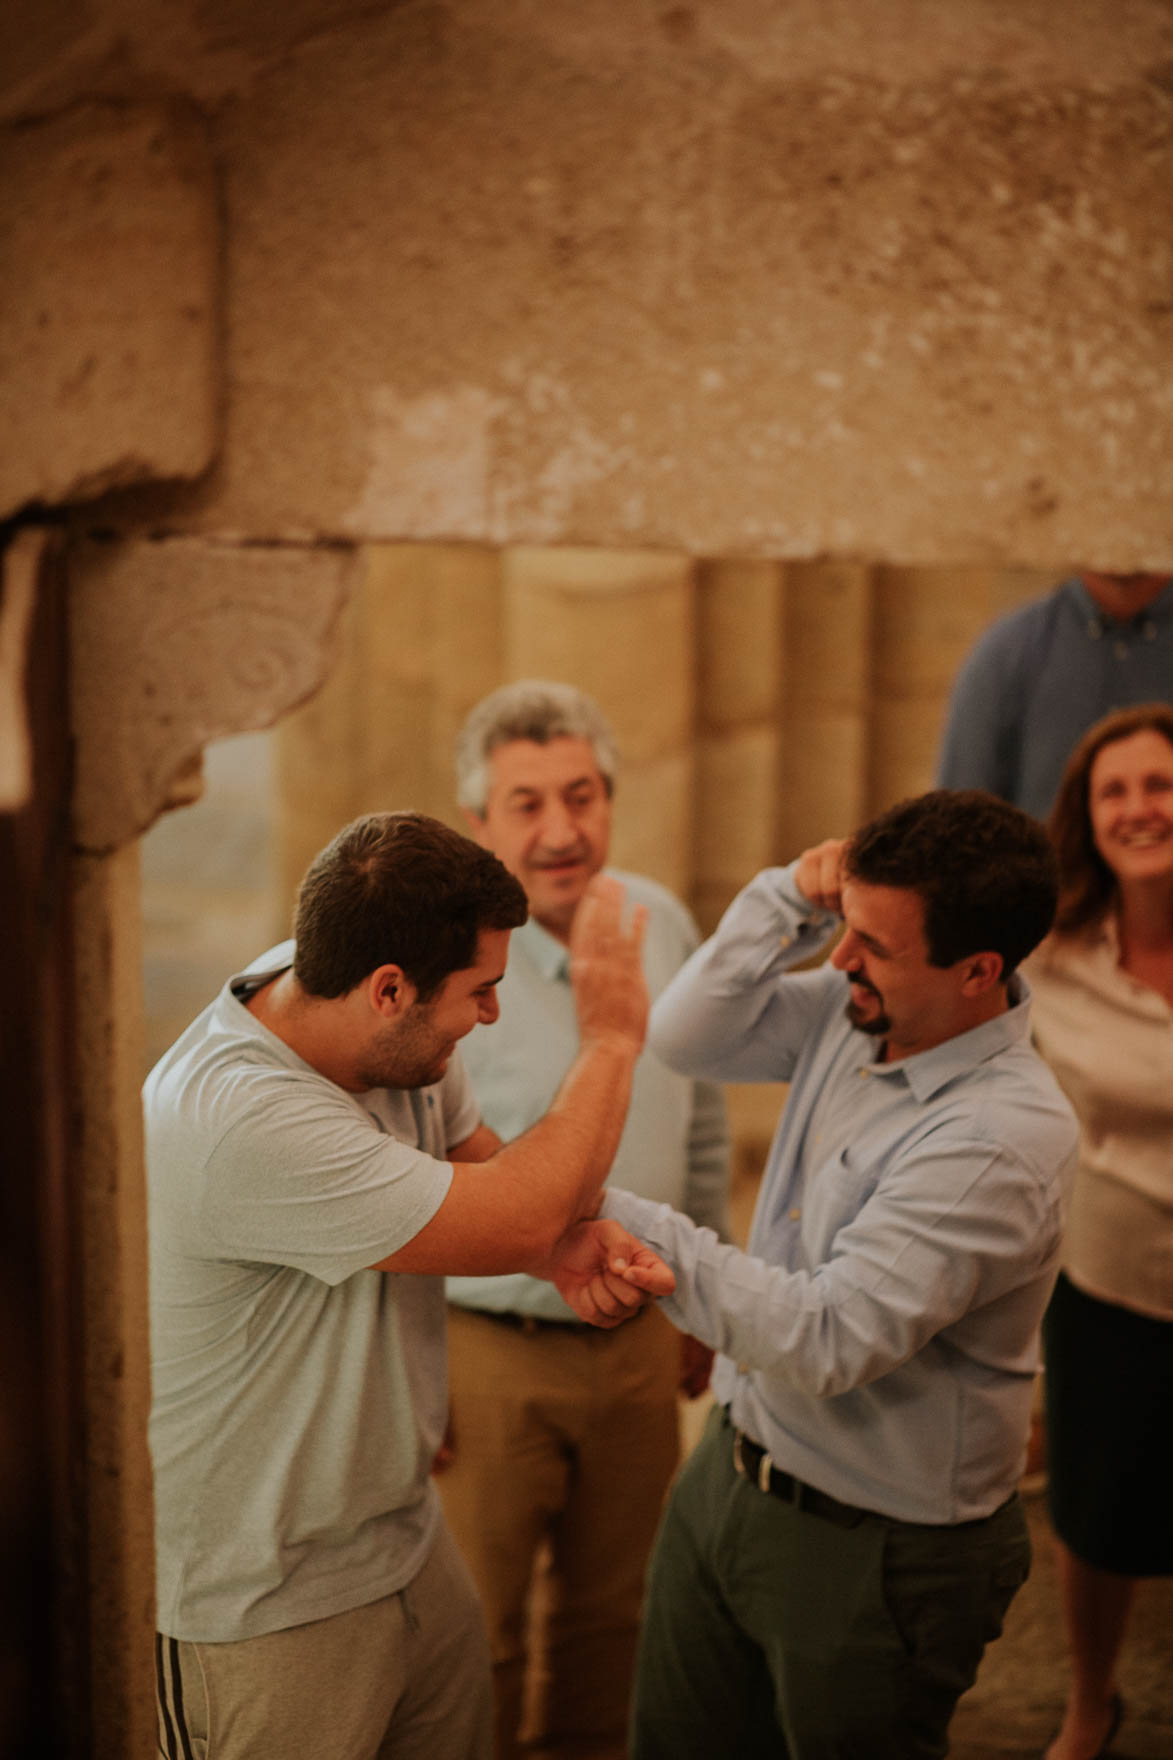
x,y
177,642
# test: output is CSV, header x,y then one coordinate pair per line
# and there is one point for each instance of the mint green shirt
x,y
674,1146
299,1396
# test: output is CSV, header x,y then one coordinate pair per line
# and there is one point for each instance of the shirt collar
x,y
1089,613
547,953
927,1072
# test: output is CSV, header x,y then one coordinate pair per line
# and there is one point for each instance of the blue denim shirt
x,y
879,1336
1038,679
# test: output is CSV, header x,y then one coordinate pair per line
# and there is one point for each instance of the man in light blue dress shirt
x,y
554,1436
847,1537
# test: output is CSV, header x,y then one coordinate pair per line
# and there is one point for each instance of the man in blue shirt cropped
x,y
847,1537
1041,676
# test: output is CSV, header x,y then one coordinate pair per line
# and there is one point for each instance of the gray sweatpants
x,y
405,1678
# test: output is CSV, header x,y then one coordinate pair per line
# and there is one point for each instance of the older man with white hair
x,y
559,1432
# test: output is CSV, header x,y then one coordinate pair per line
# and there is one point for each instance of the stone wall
x,y
738,277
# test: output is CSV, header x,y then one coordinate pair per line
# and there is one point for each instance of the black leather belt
x,y
753,1463
530,1323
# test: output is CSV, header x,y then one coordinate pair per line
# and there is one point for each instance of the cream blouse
x,y
1109,1040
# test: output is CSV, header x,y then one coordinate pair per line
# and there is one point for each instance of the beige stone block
x,y
434,649
106,1013
620,625
320,757
394,689
176,642
824,778
740,639
828,625
737,806
924,622
109,302
905,738
903,296
653,821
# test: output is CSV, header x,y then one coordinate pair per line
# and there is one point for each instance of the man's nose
x,y
845,954
558,826
490,1008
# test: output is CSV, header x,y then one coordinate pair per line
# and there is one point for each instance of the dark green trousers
x,y
771,1631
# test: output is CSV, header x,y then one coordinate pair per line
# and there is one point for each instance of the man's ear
x,y
477,825
390,991
980,972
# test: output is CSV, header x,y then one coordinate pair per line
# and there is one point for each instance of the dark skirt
x,y
1109,1392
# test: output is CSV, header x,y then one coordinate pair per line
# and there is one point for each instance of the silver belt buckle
x,y
765,1465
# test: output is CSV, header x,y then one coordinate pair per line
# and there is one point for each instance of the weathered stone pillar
x,y
621,625
420,643
740,663
924,620
113,1257
825,724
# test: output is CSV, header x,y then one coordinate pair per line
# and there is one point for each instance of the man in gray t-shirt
x,y
314,1162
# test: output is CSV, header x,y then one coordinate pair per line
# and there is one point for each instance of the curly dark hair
x,y
1087,886
398,889
984,871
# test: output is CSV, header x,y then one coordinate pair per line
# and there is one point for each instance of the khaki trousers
x,y
404,1678
564,1435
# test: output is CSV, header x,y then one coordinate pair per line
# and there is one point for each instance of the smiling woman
x,y
1104,1019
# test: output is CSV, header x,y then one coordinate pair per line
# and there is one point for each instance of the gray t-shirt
x,y
299,1397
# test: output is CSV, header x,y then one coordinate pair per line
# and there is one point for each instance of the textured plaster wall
x,y
741,278
109,346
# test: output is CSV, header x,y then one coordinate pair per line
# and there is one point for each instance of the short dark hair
x,y
398,889
1087,885
984,871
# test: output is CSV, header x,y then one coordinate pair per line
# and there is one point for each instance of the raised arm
x,y
732,1013
506,1212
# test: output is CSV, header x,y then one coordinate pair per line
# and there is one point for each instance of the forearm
x,y
505,1212
727,1015
560,1165
905,1269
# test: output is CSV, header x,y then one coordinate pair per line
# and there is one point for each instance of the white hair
x,y
537,709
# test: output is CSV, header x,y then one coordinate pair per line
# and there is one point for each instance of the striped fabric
x,y
174,1740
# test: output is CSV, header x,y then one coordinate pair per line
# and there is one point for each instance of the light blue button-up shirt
x,y
674,1145
879,1336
